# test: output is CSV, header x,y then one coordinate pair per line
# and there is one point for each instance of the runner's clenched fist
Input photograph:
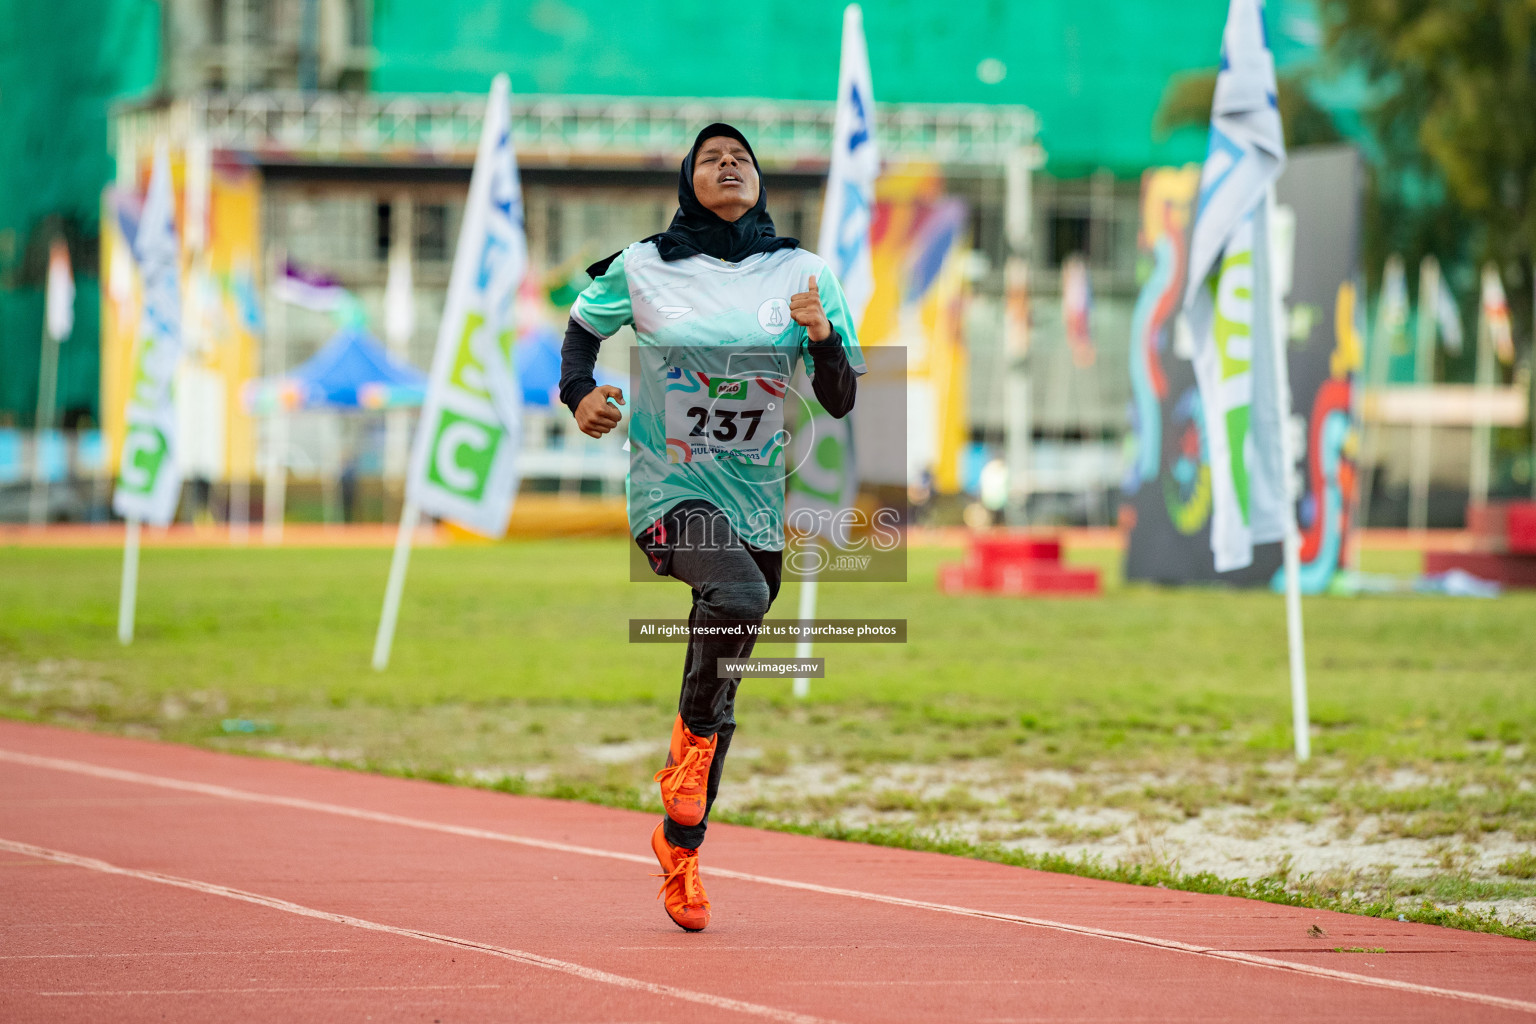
x,y
595,415
805,308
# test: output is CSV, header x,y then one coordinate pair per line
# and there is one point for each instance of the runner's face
x,y
725,178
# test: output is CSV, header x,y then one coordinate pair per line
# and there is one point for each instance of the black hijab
x,y
696,230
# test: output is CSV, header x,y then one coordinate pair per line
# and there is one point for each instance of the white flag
x,y
311,289
464,461
828,483
60,301
149,478
1392,308
844,238
1496,315
399,299
1448,318
1232,322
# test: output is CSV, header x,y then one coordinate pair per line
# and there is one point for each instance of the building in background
x,y
352,123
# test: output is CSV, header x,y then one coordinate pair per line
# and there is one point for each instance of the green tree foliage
x,y
1187,99
1454,86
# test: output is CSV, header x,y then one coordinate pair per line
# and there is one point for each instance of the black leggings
x,y
731,581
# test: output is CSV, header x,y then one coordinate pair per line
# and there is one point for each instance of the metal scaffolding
x,y
555,131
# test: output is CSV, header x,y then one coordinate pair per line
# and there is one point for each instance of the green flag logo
x,y
462,454
144,452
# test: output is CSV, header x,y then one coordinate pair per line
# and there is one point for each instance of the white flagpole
x,y
1424,378
1482,424
129,595
1378,359
240,509
275,488
802,684
410,515
47,389
399,319
1018,425
58,323
1300,718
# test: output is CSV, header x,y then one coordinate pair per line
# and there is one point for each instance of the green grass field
x,y
1415,676
512,668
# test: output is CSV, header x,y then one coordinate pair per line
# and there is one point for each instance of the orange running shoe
x,y
685,779
680,884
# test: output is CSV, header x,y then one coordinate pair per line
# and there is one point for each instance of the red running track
x,y
140,881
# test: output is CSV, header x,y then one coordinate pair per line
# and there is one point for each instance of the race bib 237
x,y
729,418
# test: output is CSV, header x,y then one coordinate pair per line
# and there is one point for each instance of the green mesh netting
x,y
1094,70
62,64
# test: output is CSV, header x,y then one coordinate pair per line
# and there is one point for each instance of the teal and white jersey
x,y
716,351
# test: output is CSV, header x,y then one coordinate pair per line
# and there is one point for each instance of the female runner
x,y
722,309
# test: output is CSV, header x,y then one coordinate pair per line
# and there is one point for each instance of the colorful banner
x,y
919,303
1232,321
122,295
464,461
947,370
221,324
1077,310
1327,507
1167,204
149,478
221,321
1168,501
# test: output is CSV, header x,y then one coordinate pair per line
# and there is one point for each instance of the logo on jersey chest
x,y
773,316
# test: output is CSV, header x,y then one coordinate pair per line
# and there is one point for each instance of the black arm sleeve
x,y
834,381
578,357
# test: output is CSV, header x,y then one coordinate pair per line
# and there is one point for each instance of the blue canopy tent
x,y
537,359
354,372
351,372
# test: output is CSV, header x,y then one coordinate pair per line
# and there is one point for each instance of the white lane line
x,y
518,955
226,991
196,952
298,803
805,946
